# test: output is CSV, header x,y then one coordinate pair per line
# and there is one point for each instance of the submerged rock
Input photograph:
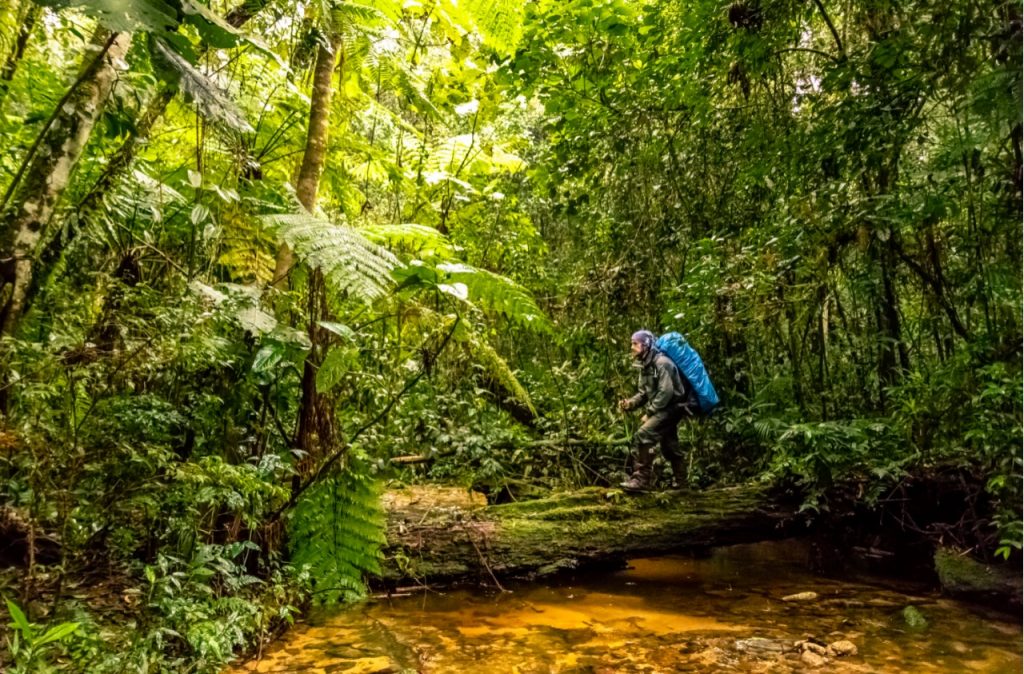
x,y
842,648
808,646
801,596
812,659
760,645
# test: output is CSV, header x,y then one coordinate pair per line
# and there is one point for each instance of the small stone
x,y
842,647
812,660
762,645
801,596
808,645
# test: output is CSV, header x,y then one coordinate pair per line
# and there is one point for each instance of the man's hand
x,y
624,404
643,419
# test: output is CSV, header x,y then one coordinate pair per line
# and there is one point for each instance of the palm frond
x,y
350,263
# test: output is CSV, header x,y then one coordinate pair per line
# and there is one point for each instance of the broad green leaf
x,y
338,361
20,621
153,16
57,633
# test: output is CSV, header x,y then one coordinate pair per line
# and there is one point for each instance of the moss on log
x,y
438,535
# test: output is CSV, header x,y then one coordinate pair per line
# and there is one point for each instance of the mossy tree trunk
x,y
47,172
433,538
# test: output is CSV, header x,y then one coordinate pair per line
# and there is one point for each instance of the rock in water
x,y
817,649
842,647
812,659
801,596
759,645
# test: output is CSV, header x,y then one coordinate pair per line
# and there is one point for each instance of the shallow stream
x,y
722,612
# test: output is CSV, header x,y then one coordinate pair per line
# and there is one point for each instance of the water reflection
x,y
723,612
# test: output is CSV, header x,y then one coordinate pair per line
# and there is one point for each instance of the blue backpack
x,y
679,351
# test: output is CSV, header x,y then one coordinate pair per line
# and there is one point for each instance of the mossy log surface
x,y
438,535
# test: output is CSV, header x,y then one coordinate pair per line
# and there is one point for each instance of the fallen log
x,y
447,535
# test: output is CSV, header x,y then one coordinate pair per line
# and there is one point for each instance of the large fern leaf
x,y
336,532
500,22
211,101
477,350
497,294
496,367
154,16
411,238
350,263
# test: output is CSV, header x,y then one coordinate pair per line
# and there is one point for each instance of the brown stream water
x,y
722,612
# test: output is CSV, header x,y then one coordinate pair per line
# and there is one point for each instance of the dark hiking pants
x,y
660,428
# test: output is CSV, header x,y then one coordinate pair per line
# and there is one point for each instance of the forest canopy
x,y
250,253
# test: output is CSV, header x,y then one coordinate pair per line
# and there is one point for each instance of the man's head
x,y
641,342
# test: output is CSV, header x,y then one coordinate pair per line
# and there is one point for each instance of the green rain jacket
x,y
661,385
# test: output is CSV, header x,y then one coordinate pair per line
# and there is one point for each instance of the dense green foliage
x,y
238,275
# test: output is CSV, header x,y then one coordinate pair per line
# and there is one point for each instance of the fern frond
x,y
377,111
500,22
443,159
484,355
411,238
498,294
448,154
349,14
350,263
336,532
476,348
211,101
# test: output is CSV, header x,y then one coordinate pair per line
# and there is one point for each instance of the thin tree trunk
x,y
14,58
314,432
48,171
307,183
122,159
125,154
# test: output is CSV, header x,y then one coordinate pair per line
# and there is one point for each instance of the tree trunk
x,y
442,535
308,181
14,58
314,432
122,159
48,172
125,154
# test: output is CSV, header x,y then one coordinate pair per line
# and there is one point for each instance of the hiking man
x,y
666,398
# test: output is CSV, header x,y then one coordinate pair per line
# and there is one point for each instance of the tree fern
x,y
336,531
350,263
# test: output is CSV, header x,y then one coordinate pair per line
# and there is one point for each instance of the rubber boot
x,y
678,473
641,478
